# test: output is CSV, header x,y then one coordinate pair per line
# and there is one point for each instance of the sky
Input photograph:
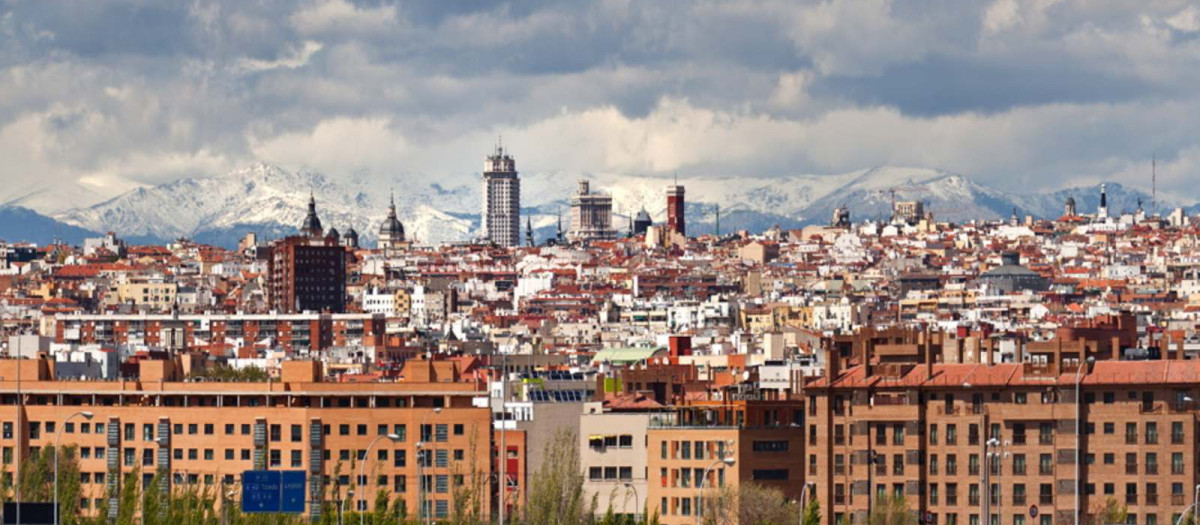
x,y
1023,95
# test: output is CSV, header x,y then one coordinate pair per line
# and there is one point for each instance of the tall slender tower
x,y
1102,211
675,219
501,199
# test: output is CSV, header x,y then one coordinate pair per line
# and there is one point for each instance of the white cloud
x,y
1001,15
341,16
297,57
336,145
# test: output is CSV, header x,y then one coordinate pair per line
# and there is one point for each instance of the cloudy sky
x,y
102,96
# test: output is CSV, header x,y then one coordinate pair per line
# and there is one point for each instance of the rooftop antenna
x,y
718,221
1153,181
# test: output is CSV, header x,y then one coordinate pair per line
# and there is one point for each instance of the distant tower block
x,y
501,199
1102,212
675,218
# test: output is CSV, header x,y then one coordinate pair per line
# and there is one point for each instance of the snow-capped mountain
x,y
272,201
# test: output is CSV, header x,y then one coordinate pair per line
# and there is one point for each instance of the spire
x,y
391,205
528,231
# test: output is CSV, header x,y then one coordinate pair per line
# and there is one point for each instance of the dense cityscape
x,y
1033,371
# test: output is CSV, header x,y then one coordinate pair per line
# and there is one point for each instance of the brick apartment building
x,y
307,274
763,438
207,434
218,332
962,441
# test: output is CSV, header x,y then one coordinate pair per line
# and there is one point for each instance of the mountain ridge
x,y
269,199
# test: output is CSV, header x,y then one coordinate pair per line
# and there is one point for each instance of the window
x,y
297,459
297,433
360,430
933,434
771,446
770,474
148,432
458,429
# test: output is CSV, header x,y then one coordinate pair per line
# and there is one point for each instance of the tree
x,y
812,513
891,510
749,504
556,495
1109,512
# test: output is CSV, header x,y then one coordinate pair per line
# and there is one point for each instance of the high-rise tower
x,y
1102,211
675,219
501,199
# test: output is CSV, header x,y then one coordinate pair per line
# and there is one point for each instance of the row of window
x,y
1045,430
435,432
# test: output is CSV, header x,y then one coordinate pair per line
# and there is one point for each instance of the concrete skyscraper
x,y
675,219
501,199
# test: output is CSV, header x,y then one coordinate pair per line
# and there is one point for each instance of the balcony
x,y
951,469
1045,499
1018,499
880,469
973,500
1131,499
1130,438
1151,499
1151,438
1177,438
973,470
1046,470
1131,469
1177,499
1151,468
1177,468
1046,439
1018,470
951,499
1018,439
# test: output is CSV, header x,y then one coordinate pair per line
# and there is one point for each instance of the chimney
x,y
991,351
928,353
1116,348
868,353
832,366
1179,349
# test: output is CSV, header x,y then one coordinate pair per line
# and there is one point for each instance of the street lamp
x,y
630,486
804,500
1079,372
727,461
1195,505
426,516
362,473
86,415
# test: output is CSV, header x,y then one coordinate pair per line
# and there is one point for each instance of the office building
x,y
591,215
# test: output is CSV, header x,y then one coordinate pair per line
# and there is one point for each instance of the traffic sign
x,y
293,491
1033,511
273,491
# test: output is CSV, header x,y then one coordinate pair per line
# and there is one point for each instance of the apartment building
x,y
688,449
613,457
207,434
218,332
1003,444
